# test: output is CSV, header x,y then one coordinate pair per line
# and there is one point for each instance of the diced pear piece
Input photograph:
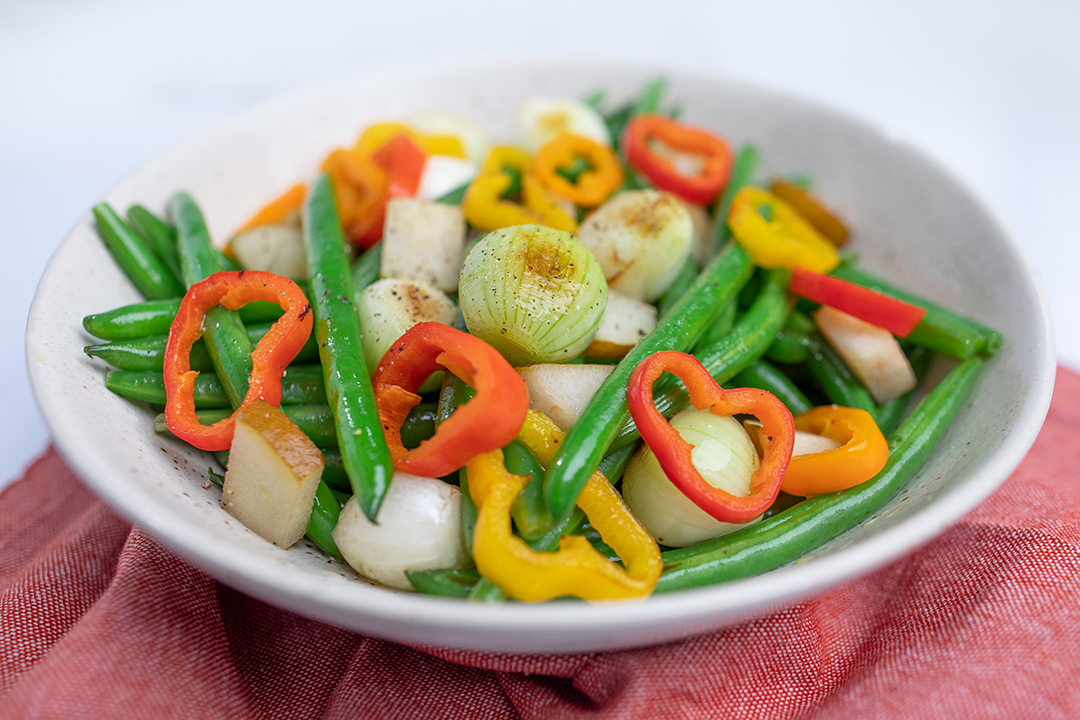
x,y
423,240
274,470
419,528
275,248
561,391
872,353
625,322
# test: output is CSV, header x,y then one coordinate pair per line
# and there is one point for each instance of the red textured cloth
x,y
99,621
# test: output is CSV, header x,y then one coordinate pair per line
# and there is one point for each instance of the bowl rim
x,y
337,602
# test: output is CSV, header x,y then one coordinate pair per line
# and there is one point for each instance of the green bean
x,y
337,326
486,591
767,377
941,329
300,385
155,317
616,123
649,102
604,415
746,343
455,196
447,583
149,353
790,347
150,275
325,511
790,534
720,327
529,512
742,174
366,270
224,335
836,379
595,98
679,286
315,421
157,234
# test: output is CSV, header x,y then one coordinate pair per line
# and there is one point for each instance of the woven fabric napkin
x,y
97,620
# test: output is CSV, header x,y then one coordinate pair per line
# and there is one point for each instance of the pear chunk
x,y
274,470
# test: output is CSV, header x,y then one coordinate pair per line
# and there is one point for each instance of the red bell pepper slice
x,y
404,161
272,354
896,316
674,453
490,420
711,149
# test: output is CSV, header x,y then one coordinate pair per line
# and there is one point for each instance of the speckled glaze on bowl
x,y
914,223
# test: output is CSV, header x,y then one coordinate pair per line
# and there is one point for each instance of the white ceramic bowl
x,y
914,223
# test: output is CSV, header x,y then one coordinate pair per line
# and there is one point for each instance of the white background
x,y
91,89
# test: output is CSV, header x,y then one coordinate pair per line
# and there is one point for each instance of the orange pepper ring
x,y
488,421
862,454
593,186
271,356
674,453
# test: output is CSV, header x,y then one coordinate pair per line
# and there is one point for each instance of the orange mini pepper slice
x,y
674,453
862,454
278,209
490,420
272,354
593,186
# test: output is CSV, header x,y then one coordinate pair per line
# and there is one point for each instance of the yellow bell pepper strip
x,y
862,454
544,203
272,354
644,131
489,420
775,235
380,134
360,190
811,208
674,453
483,204
577,568
486,209
604,176
277,210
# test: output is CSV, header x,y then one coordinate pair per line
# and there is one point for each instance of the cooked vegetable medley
x,y
604,360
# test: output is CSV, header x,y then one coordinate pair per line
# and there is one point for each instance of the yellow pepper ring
x,y
485,208
862,454
577,568
377,135
783,241
593,186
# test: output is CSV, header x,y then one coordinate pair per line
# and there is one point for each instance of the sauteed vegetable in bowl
x,y
684,349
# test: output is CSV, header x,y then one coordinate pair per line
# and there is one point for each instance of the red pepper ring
x,y
711,149
674,453
490,420
272,354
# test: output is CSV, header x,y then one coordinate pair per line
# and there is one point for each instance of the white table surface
x,y
91,89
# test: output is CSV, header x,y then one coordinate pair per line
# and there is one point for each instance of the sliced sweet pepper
x,y
642,134
896,316
674,453
823,219
577,568
380,134
272,354
403,160
604,175
486,208
360,191
862,454
490,420
775,235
